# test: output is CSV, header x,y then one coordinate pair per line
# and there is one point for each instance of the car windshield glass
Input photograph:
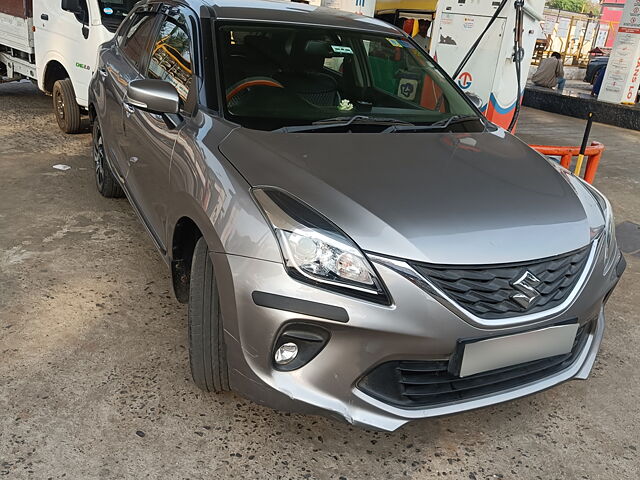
x,y
274,77
114,11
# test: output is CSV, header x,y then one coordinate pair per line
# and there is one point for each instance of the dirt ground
x,y
94,375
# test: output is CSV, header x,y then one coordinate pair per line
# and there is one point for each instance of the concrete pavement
x,y
94,375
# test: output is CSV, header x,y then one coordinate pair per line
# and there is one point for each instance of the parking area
x,y
94,371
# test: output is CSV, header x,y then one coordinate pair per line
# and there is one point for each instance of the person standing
x,y
421,38
550,73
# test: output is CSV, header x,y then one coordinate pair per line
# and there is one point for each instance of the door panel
x,y
149,147
121,63
148,138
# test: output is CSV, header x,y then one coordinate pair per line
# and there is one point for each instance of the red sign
x,y
465,80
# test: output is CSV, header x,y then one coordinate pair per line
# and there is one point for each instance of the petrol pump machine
x,y
496,71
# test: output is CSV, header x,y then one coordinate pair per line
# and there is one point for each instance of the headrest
x,y
318,48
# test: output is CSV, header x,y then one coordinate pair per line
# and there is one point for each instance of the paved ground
x,y
94,379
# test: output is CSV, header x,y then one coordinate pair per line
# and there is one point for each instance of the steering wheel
x,y
252,82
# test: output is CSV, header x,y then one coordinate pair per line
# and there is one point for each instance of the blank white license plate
x,y
484,355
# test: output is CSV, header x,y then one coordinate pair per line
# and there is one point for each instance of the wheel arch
x,y
91,109
53,72
186,234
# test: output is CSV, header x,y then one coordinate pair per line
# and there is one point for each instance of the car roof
x,y
293,12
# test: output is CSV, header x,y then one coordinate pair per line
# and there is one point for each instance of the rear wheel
x,y
66,108
106,182
207,351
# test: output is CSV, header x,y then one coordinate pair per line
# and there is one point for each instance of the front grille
x,y
487,291
419,384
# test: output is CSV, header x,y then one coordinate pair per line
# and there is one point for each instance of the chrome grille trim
x,y
403,268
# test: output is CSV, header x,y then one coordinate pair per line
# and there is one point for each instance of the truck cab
x,y
55,43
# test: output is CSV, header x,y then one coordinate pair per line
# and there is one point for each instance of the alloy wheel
x,y
98,156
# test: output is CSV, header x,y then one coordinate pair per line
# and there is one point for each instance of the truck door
x,y
149,138
65,37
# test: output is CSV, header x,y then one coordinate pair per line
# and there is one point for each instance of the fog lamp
x,y
286,353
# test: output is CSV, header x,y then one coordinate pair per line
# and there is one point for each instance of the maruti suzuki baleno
x,y
352,236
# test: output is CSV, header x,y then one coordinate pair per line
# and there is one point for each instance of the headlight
x,y
609,234
316,251
611,244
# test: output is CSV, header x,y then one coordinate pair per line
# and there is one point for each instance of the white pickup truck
x,y
55,43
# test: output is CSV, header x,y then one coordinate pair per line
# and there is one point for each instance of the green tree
x,y
579,6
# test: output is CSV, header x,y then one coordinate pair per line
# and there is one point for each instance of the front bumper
x,y
416,327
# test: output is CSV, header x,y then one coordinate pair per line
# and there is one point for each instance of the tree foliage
x,y
579,6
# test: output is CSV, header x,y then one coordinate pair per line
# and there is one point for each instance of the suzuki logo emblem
x,y
526,285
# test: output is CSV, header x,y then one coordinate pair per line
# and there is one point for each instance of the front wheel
x,y
66,108
207,350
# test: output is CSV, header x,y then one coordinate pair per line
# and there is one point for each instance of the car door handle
x,y
128,108
44,16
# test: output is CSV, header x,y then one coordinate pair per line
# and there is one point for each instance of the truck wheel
x,y
66,108
207,351
106,182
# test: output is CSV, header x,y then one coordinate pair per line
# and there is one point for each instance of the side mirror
x,y
72,6
155,96
475,99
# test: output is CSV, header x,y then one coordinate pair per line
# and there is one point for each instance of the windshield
x,y
280,76
114,11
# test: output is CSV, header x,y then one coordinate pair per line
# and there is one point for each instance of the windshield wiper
x,y
439,125
339,122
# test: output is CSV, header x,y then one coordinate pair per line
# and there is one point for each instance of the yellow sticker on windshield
x,y
394,42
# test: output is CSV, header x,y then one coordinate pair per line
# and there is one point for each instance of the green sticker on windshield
x,y
394,42
341,49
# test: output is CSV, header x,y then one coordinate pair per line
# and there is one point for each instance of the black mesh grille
x,y
415,384
487,291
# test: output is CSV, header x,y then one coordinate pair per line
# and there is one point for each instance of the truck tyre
x,y
106,182
207,351
66,108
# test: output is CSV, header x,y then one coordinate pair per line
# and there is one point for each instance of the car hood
x,y
446,198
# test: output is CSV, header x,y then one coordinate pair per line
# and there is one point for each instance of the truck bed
x,y
16,33
17,8
17,56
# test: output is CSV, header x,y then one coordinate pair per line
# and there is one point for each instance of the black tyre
x,y
207,351
106,182
66,108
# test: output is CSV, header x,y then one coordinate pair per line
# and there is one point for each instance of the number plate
x,y
489,354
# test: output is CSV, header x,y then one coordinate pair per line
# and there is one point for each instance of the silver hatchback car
x,y
351,235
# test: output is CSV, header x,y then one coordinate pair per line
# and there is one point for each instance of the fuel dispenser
x,y
486,46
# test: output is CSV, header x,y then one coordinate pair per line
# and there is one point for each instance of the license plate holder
x,y
479,355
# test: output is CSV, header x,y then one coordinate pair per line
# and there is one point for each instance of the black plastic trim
x,y
414,384
310,339
304,307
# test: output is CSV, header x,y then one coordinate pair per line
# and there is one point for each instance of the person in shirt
x,y
421,37
550,73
